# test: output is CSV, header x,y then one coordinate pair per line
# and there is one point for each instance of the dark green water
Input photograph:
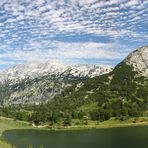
x,y
129,137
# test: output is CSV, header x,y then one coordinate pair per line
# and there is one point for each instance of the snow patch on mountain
x,y
35,69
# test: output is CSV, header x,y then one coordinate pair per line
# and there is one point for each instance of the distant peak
x,y
139,60
142,49
138,52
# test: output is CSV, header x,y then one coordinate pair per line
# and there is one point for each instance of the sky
x,y
71,31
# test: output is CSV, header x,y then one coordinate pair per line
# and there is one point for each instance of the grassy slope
x,y
8,124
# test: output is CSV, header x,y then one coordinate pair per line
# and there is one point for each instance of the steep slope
x,y
122,92
139,60
36,82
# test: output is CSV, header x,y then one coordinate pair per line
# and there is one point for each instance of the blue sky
x,y
71,31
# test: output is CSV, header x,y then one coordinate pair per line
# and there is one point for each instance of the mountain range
x,y
75,92
38,82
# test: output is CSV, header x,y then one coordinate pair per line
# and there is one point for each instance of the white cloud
x,y
65,51
71,18
29,32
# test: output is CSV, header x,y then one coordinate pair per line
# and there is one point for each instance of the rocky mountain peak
x,y
139,60
36,69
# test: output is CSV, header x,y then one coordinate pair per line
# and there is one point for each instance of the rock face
x,y
37,69
36,82
139,60
30,70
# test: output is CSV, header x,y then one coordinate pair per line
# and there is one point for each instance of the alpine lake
x,y
125,137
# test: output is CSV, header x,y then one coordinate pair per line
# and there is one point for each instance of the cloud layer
x,y
71,30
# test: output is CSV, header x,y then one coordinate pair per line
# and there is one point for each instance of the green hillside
x,y
122,92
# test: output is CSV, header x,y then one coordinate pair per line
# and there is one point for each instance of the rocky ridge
x,y
37,82
139,60
34,69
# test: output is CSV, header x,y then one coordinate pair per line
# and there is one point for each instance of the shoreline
x,y
11,124
89,127
112,123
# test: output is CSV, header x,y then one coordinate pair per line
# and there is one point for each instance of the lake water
x,y
128,137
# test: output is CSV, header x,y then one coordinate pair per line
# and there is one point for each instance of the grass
x,y
89,107
9,124
4,144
